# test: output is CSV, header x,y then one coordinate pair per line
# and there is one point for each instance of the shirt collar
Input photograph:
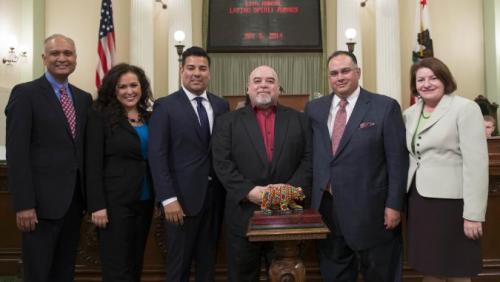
x,y
271,109
351,99
191,96
56,85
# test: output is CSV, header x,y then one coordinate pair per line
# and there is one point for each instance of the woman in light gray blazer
x,y
448,176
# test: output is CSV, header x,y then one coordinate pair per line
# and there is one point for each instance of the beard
x,y
263,101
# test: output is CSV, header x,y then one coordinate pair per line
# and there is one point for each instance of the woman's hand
x,y
473,229
100,218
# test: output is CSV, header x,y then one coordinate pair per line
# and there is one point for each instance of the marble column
x,y
142,36
491,10
388,48
348,16
179,18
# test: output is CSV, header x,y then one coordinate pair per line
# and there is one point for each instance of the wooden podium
x,y
286,231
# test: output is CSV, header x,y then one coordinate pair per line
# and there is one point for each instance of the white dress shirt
x,y
206,104
351,102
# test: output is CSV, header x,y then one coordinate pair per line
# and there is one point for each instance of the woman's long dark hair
x,y
106,101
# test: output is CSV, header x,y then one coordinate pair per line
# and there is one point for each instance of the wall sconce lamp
x,y
179,36
12,57
163,4
350,34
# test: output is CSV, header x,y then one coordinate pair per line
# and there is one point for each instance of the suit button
x,y
418,144
419,158
419,137
418,152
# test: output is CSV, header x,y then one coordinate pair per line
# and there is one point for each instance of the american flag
x,y
106,45
422,41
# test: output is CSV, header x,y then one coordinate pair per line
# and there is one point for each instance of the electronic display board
x,y
264,25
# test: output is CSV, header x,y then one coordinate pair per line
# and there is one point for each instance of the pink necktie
x,y
69,110
339,125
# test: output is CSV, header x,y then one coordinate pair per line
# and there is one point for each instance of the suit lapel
x,y
216,107
186,107
280,133
324,112
78,103
128,127
255,136
359,111
48,91
412,121
442,107
217,110
125,125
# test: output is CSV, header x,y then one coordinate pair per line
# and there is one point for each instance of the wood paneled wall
x,y
87,268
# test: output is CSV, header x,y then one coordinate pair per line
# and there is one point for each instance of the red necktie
x,y
69,110
339,125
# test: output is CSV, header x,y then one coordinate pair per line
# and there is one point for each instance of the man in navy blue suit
x,y
360,165
180,160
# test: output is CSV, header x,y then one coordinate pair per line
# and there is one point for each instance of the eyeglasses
x,y
344,71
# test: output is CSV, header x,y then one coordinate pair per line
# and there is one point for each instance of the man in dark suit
x,y
359,176
45,125
180,161
263,143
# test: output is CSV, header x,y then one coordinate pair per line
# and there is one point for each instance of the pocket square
x,y
366,124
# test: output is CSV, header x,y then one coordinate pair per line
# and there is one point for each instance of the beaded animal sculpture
x,y
282,197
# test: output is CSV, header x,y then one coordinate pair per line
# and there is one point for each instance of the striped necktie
x,y
339,125
69,110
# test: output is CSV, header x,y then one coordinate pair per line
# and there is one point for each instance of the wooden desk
x,y
287,265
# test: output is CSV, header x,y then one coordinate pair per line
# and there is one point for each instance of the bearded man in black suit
x,y
263,143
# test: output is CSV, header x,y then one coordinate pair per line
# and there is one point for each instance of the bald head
x,y
58,37
264,68
59,56
263,87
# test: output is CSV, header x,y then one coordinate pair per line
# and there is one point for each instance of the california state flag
x,y
422,44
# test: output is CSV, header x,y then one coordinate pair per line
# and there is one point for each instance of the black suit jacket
x,y
241,163
369,170
180,161
115,168
43,158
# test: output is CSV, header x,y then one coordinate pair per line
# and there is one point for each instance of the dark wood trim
x,y
87,268
294,101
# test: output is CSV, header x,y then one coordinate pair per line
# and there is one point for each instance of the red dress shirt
x,y
265,120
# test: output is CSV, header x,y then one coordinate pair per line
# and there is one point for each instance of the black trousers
x,y
195,241
49,252
122,242
340,263
244,258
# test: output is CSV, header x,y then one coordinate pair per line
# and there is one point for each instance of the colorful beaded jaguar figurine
x,y
281,197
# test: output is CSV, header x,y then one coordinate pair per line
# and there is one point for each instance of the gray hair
x,y
58,35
